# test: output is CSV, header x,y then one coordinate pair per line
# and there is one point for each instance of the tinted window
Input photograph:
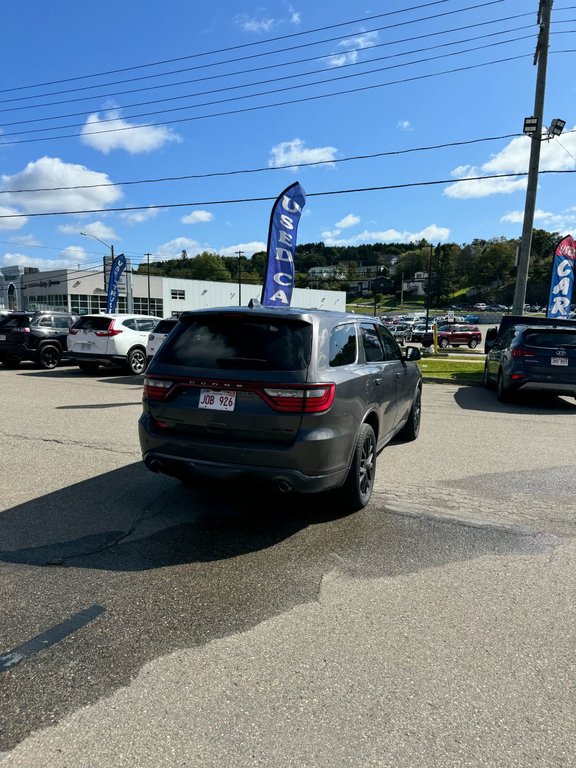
x,y
17,322
391,348
44,322
145,324
550,338
373,351
130,323
61,321
343,346
92,323
164,326
236,341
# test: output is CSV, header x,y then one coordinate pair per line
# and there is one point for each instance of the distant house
x,y
326,273
417,285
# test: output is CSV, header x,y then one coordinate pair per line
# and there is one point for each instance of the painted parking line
x,y
52,636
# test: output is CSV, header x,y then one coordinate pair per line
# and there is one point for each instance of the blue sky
x,y
97,95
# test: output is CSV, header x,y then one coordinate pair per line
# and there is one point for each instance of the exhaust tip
x,y
284,486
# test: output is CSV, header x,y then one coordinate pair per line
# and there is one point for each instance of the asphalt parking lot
x,y
434,628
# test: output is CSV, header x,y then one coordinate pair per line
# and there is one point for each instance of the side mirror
x,y
490,339
412,354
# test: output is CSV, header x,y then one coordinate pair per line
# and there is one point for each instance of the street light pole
x,y
148,270
240,254
541,58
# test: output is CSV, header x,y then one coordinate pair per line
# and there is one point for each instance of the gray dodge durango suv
x,y
301,399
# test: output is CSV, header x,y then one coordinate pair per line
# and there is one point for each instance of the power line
x,y
372,156
290,77
275,104
259,42
268,199
211,65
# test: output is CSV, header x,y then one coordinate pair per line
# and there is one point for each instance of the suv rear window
x,y
236,341
19,321
550,338
92,323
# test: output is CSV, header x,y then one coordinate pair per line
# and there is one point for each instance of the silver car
x,y
302,400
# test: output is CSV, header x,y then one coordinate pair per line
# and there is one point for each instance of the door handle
x,y
377,381
398,374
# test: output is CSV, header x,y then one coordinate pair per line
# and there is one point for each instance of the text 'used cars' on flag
x,y
562,279
284,219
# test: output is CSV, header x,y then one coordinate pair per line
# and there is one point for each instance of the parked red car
x,y
459,335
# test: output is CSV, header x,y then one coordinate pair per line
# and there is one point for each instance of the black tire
x,y
88,366
486,378
357,489
472,343
443,343
137,361
49,356
411,429
503,392
10,362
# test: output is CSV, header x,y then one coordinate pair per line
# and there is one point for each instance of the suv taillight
x,y
25,329
156,389
311,398
112,330
521,352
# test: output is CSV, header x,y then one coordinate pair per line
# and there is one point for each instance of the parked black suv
x,y
37,336
300,399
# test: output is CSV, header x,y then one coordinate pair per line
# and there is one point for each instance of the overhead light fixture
x,y
556,127
530,125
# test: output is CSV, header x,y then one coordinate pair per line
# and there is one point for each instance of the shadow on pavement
x,y
534,403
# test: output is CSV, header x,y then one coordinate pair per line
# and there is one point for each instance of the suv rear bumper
x,y
281,478
85,357
304,466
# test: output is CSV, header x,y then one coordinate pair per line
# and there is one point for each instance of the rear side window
x,y
164,326
343,346
62,321
550,338
236,341
145,324
92,323
373,351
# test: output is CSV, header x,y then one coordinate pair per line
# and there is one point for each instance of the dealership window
x,y
57,302
141,307
176,293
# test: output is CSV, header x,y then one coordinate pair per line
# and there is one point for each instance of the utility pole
x,y
429,291
240,254
148,263
540,58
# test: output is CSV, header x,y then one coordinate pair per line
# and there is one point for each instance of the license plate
x,y
85,344
217,400
2,337
559,361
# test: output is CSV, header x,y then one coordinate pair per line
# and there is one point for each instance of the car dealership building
x,y
83,291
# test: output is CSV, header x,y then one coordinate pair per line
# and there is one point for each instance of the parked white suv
x,y
158,335
96,340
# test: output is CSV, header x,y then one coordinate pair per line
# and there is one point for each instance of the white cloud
x,y
292,153
330,234
173,248
70,257
6,224
248,249
263,23
350,49
514,158
348,221
96,228
197,217
550,221
121,134
404,125
137,217
49,172
25,240
432,234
